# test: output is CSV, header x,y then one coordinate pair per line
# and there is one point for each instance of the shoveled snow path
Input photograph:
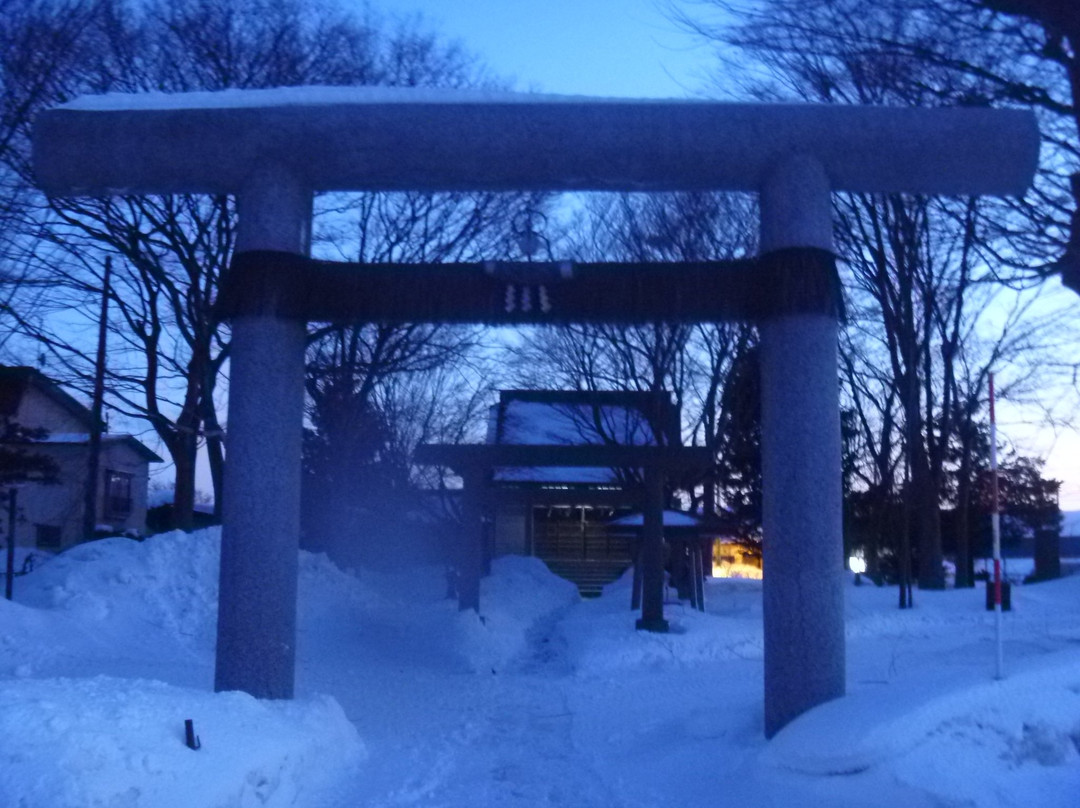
x,y
464,736
590,715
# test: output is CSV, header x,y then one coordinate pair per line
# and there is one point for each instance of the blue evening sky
x,y
576,47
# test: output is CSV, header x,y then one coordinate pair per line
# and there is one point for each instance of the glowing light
x,y
736,570
857,564
734,560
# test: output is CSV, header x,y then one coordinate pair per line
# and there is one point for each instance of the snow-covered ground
x,y
545,701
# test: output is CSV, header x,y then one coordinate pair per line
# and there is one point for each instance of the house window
x,y
117,495
48,537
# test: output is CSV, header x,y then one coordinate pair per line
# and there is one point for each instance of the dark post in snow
x,y
652,552
800,462
470,552
275,147
9,565
256,631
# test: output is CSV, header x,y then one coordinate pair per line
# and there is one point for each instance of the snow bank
x,y
167,583
602,639
68,743
1009,742
325,591
109,647
519,600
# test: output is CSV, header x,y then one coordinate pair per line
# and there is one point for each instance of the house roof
x,y
83,439
15,381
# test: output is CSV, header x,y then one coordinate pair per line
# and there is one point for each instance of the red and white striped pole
x,y
995,525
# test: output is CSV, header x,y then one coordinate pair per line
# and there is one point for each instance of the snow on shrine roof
x,y
316,95
434,139
570,418
671,519
574,424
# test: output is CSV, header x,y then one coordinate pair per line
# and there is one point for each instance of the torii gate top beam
x,y
374,138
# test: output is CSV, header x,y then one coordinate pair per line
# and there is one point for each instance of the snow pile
x,y
70,743
542,700
121,634
996,742
518,601
602,639
324,589
166,584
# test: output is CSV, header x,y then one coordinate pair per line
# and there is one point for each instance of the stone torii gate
x,y
274,148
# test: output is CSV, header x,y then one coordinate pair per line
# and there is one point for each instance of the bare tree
x,y
39,45
175,249
920,271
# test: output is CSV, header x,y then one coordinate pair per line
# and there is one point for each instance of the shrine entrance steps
x,y
591,576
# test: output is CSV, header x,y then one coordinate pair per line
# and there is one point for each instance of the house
x,y
50,517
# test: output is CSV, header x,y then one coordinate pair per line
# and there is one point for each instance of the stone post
x,y
256,632
801,466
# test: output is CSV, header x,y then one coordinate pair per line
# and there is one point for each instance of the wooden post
x,y
470,553
701,550
696,585
635,594
530,527
652,553
9,575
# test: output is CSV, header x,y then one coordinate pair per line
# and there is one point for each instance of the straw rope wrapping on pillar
x,y
789,281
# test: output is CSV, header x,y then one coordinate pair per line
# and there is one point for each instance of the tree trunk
x,y
965,565
927,523
183,456
1047,554
923,494
215,452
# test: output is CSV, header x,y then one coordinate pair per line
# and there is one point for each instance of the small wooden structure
x,y
561,514
476,463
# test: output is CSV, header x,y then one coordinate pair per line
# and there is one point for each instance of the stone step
x,y
590,576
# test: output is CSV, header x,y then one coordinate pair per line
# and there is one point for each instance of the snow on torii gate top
x,y
377,138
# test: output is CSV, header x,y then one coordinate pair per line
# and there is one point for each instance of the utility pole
x,y
90,501
995,527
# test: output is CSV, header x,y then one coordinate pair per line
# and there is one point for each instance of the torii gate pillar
x,y
256,634
801,466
